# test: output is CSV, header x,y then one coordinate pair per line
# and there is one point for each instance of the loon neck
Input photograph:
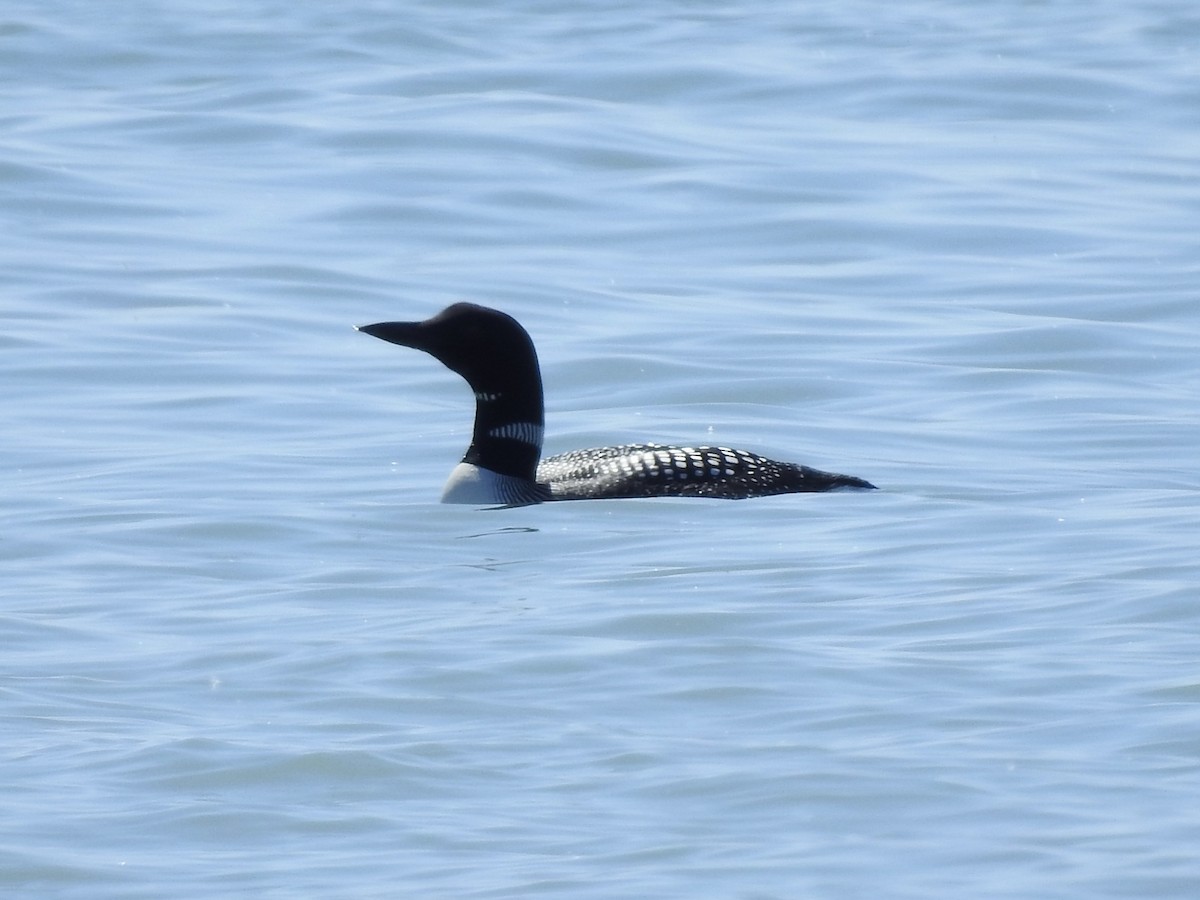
x,y
508,431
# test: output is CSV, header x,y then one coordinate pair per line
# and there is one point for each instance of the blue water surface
x,y
947,247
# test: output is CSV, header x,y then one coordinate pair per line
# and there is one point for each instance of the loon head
x,y
496,356
485,346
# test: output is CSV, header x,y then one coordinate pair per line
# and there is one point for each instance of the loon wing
x,y
656,470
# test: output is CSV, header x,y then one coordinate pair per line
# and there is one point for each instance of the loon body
x,y
503,464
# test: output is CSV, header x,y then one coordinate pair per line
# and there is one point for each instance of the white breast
x,y
471,484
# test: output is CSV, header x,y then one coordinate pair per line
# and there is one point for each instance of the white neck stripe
x,y
519,431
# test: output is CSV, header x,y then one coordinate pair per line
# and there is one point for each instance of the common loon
x,y
495,355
